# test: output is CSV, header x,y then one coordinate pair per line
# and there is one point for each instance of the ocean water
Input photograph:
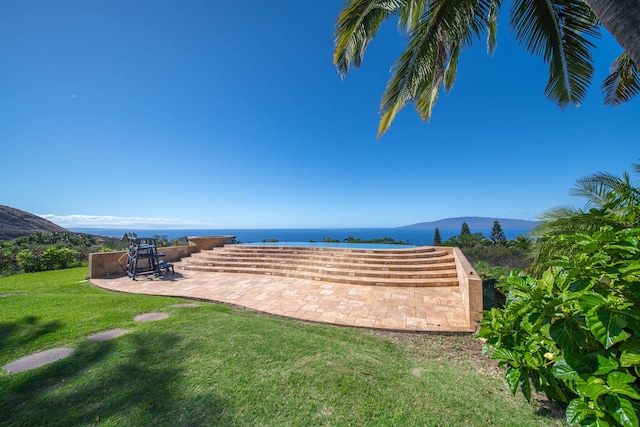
x,y
412,236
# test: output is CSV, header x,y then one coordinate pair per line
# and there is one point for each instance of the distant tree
x,y
521,241
437,240
497,235
465,231
465,241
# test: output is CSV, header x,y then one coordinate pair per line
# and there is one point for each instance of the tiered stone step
x,y
415,267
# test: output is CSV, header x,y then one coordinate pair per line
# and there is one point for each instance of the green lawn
x,y
214,365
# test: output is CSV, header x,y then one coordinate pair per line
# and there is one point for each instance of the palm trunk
x,y
622,19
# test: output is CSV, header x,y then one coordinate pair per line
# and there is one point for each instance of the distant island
x,y
475,222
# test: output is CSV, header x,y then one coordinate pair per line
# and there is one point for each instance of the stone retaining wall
x,y
470,288
105,264
204,243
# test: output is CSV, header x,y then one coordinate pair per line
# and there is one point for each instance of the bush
x,y
27,261
492,296
54,258
573,333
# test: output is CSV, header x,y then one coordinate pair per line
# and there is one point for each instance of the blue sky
x,y
212,114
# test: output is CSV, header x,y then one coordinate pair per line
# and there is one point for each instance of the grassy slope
x,y
213,365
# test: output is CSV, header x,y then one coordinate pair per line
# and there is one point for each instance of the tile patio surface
x,y
425,309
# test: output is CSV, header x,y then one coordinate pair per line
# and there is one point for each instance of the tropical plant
x,y
610,201
559,31
573,333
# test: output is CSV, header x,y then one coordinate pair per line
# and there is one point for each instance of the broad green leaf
x,y
606,364
619,382
526,325
630,353
593,388
513,378
532,361
577,411
548,279
525,387
580,284
622,410
568,334
584,365
562,370
505,355
605,324
590,301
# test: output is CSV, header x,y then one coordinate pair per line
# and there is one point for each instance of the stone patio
x,y
423,309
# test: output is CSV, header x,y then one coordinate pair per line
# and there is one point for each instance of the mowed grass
x,y
216,365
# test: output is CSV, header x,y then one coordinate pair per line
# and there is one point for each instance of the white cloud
x,y
108,221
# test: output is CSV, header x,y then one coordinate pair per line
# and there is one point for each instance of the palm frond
x,y
452,68
559,32
492,26
623,82
446,27
410,14
597,187
358,24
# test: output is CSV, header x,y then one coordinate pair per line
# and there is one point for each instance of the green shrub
x,y
27,261
573,333
492,296
54,258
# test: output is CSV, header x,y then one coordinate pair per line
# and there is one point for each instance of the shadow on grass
x,y
551,409
22,331
129,382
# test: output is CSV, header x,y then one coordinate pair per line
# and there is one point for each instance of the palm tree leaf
x,y
359,22
623,82
445,28
597,187
356,26
559,32
492,26
410,14
452,68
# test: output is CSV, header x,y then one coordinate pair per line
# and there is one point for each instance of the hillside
x,y
16,223
475,222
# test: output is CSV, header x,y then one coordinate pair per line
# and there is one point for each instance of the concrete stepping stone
x,y
150,317
107,335
37,359
186,305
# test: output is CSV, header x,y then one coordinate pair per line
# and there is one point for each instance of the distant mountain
x,y
475,222
16,223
